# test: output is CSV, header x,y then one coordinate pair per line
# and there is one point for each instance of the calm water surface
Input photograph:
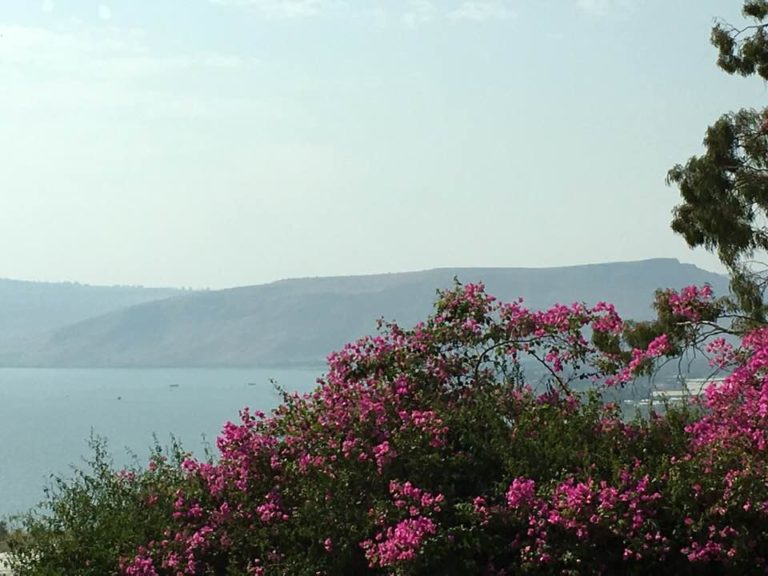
x,y
46,416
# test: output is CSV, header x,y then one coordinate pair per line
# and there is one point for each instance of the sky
x,y
217,143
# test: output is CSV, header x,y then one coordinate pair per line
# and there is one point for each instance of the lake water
x,y
46,416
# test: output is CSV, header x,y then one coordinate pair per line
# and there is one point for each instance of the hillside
x,y
30,311
298,322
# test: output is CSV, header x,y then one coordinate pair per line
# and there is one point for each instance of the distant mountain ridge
x,y
298,322
30,311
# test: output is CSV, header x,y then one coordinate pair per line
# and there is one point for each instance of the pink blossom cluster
x,y
403,540
582,511
721,353
374,462
690,302
737,408
657,348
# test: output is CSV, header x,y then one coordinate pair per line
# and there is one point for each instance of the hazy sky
x,y
228,142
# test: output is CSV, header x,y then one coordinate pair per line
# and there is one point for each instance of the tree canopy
x,y
725,190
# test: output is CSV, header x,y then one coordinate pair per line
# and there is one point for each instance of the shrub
x,y
461,447
4,535
91,518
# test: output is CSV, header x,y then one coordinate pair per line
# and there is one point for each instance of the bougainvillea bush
x,y
461,446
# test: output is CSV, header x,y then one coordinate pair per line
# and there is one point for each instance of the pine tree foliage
x,y
725,190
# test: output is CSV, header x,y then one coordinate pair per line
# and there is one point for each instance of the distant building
x,y
674,393
692,388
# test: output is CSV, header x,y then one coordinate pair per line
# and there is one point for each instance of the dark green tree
x,y
725,190
4,533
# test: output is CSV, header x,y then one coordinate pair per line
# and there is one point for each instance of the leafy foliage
x,y
725,190
437,450
4,535
89,520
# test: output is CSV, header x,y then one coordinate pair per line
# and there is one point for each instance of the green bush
x,y
99,513
437,450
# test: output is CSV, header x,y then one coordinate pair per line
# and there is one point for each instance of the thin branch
x,y
562,385
736,32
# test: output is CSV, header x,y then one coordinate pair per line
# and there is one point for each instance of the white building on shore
x,y
692,387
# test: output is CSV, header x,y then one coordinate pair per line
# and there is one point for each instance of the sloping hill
x,y
298,322
29,311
